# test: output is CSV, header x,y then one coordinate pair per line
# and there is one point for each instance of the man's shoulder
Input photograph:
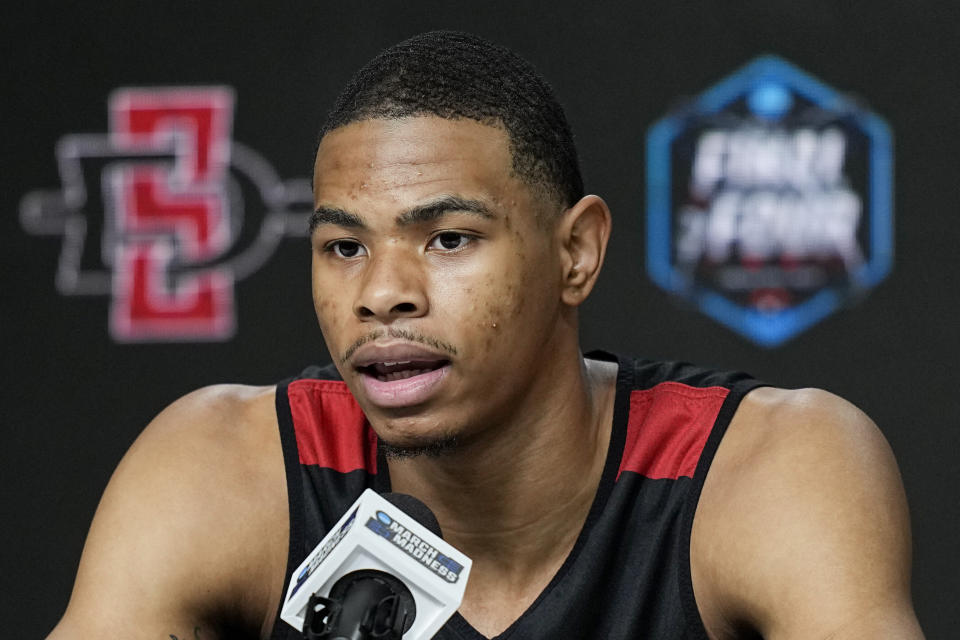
x,y
775,417
802,499
219,431
815,431
218,414
198,506
798,440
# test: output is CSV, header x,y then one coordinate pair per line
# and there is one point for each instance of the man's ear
x,y
582,234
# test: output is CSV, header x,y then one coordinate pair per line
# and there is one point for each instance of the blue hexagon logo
x,y
769,201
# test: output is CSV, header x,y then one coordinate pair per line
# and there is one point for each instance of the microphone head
x,y
393,535
416,510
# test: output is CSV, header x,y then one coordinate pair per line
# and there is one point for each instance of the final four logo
x,y
769,201
165,213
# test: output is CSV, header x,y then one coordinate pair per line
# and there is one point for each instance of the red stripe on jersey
x,y
668,427
331,430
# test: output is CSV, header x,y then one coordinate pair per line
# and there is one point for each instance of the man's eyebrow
x,y
441,207
332,215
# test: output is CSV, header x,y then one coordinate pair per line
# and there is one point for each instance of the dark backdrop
x,y
75,400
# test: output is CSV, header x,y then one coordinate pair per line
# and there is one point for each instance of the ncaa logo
x,y
165,213
769,201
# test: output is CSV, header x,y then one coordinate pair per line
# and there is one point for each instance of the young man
x,y
598,497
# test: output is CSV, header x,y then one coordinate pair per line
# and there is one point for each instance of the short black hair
x,y
456,75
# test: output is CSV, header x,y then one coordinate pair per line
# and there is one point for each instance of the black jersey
x,y
628,574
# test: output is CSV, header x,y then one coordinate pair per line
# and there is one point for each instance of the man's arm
x,y
802,531
189,540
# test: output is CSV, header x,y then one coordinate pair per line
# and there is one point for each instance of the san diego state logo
x,y
769,201
165,213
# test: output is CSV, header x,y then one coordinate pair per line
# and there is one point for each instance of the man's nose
x,y
393,287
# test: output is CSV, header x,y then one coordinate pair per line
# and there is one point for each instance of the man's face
x,y
436,289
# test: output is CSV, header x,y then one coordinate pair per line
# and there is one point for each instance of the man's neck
x,y
515,501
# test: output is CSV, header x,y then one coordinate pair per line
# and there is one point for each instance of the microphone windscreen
x,y
416,510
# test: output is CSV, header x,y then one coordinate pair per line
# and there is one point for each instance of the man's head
x,y
456,75
447,304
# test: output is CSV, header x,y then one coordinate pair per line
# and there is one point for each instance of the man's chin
x,y
434,447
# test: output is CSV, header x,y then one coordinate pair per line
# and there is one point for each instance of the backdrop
x,y
90,356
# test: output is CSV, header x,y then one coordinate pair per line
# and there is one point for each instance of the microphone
x,y
383,571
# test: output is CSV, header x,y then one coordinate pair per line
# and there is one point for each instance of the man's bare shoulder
x,y
228,417
802,529
191,531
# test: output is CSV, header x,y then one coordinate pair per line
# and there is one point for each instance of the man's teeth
x,y
382,368
401,369
400,375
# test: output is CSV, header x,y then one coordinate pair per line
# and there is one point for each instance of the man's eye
x,y
449,240
346,248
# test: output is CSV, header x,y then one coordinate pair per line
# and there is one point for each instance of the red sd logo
x,y
152,213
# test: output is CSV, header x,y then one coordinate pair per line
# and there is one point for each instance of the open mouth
x,y
391,371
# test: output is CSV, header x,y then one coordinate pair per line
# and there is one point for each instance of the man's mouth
x,y
399,375
401,370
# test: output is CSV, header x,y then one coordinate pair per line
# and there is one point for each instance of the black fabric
x,y
288,443
628,574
